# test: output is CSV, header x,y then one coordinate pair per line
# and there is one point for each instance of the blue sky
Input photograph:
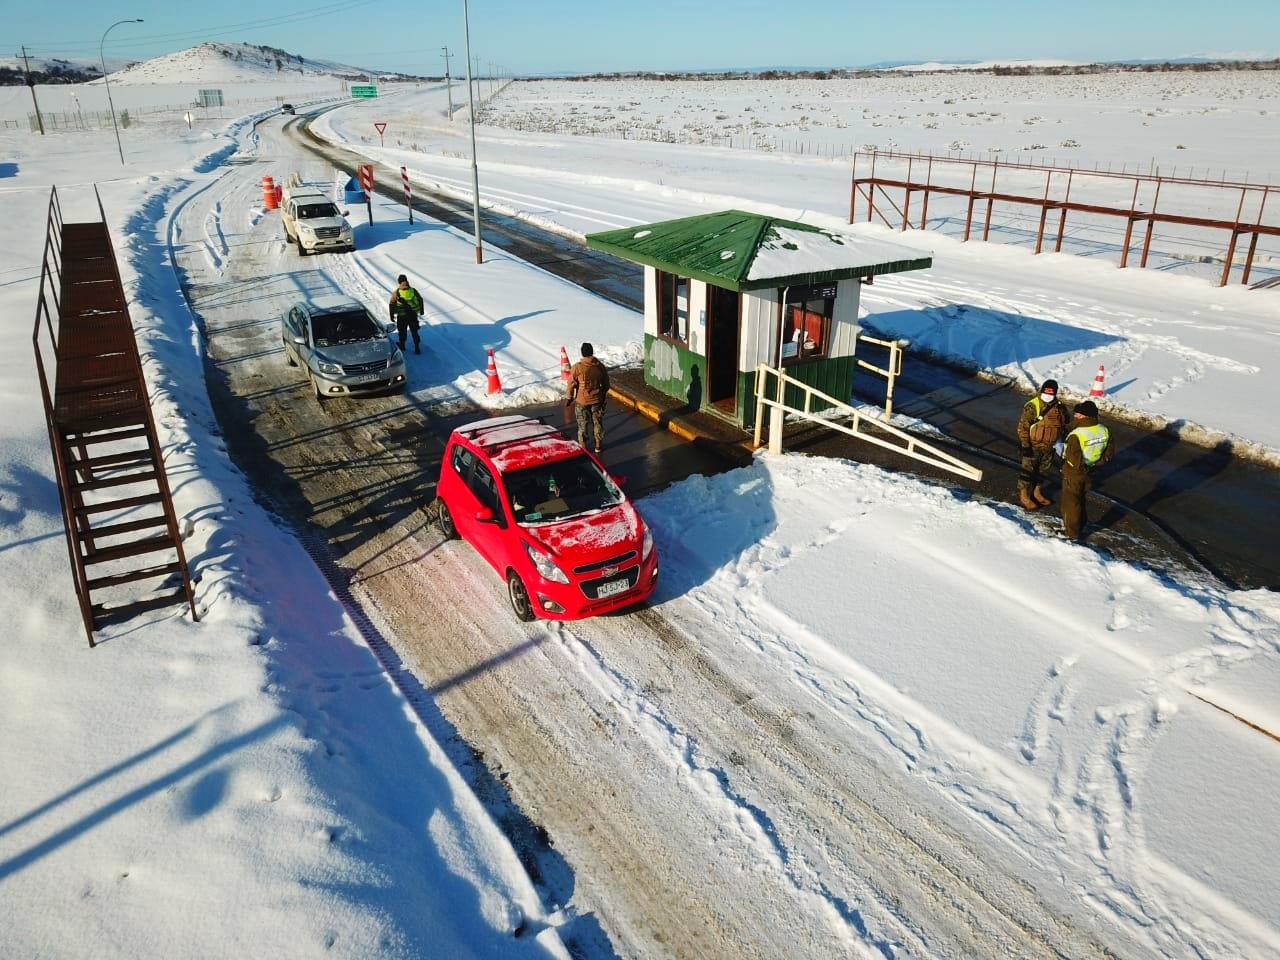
x,y
542,36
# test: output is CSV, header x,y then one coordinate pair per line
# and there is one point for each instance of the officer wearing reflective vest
x,y
406,307
1088,446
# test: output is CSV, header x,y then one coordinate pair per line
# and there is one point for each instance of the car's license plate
x,y
366,377
616,586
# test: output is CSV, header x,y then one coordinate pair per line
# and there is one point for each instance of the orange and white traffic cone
x,y
1097,390
566,372
495,385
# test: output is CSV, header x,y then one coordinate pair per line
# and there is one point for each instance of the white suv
x,y
313,222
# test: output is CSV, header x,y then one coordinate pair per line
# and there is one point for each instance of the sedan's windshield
x,y
557,490
314,211
328,329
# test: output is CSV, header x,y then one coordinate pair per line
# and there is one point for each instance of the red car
x,y
547,517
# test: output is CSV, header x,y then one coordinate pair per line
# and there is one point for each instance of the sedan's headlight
x,y
327,366
545,566
647,548
397,356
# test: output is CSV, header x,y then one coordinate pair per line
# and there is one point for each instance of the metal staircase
x,y
122,534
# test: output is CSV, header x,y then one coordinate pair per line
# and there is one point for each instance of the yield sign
x,y
380,127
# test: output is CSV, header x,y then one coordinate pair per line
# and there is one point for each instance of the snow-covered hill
x,y
233,63
64,66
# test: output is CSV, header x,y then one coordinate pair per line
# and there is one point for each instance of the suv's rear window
x,y
553,491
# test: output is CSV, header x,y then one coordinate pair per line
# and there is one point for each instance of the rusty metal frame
x,y
102,368
1235,229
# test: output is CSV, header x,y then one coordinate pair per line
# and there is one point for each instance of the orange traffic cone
x,y
566,372
1097,390
495,385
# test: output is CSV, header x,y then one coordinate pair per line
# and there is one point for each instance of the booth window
x,y
673,307
806,323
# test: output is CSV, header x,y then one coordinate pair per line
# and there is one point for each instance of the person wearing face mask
x,y
1042,423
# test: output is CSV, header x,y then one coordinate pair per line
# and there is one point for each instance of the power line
x,y
222,30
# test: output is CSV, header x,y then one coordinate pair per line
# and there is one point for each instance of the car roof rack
x,y
542,430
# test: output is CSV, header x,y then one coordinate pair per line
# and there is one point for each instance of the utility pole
x,y
448,85
471,105
475,72
26,70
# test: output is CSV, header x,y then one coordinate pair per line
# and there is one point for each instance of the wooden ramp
x,y
122,534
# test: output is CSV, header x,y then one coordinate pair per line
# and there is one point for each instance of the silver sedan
x,y
343,348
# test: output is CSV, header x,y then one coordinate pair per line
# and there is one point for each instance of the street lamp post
x,y
471,109
103,58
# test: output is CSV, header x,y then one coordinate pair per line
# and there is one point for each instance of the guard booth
x,y
725,292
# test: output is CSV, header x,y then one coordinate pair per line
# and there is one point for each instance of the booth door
x,y
723,325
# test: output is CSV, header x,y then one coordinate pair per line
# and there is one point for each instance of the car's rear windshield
x,y
352,326
554,491
314,211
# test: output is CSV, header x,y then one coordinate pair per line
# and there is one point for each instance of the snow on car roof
x,y
516,441
530,452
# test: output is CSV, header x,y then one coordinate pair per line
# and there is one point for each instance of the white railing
x,y
891,374
860,427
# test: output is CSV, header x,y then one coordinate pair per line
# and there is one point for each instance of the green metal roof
x,y
748,251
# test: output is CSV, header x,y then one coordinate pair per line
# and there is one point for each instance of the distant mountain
x,y
894,64
940,66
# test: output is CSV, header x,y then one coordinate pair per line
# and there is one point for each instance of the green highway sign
x,y
366,92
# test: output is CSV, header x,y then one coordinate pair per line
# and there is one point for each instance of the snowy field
x,y
1178,351
1209,125
1069,714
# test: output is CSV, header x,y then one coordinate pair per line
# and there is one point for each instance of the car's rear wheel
x,y
445,519
519,597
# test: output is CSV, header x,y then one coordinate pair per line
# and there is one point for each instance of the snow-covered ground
x,y
1072,712
1177,350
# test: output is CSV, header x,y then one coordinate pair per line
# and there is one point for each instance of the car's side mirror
x,y
619,480
299,340
484,515
346,213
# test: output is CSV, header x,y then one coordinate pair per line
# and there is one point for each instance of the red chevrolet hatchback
x,y
547,517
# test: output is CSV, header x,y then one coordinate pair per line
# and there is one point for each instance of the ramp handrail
x,y
891,374
907,445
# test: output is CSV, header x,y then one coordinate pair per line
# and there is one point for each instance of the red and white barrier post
x,y
408,192
365,171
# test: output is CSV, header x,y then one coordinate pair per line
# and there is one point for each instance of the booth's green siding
x,y
670,368
833,377
671,372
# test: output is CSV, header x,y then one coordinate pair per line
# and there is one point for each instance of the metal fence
x,y
80,120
